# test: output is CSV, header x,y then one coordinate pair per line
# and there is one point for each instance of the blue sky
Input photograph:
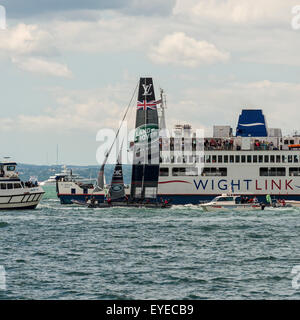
x,y
69,68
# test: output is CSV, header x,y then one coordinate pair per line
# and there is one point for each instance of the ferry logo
x,y
245,184
147,88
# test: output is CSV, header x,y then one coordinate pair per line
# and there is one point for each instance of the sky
x,y
69,68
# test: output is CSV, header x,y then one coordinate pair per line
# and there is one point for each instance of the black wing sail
x,y
117,190
145,169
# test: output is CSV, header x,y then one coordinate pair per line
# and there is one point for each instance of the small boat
x,y
230,202
14,193
293,203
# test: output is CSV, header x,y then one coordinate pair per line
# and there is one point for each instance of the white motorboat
x,y
65,174
230,202
14,193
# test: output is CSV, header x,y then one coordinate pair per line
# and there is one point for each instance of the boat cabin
x,y
8,170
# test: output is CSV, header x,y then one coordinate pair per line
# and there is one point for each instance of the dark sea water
x,y
66,252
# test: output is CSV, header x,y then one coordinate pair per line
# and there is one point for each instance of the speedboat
x,y
14,193
230,202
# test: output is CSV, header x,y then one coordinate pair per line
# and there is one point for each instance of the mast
x,y
145,169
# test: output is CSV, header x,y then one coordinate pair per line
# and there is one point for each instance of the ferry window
x,y
290,159
294,171
225,199
272,159
183,159
283,159
249,159
184,171
17,186
243,158
237,159
260,159
254,159
231,159
292,141
11,168
164,172
286,141
214,158
271,172
214,172
226,159
172,144
263,172
73,191
207,159
296,158
277,159
220,159
266,159
3,186
9,186
172,159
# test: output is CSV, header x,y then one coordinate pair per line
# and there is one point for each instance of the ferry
x,y
251,159
14,193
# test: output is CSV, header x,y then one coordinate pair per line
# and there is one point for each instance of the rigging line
x,y
117,134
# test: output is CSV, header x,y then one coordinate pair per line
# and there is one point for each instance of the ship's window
x,y
255,159
272,159
243,159
286,141
220,159
260,159
11,168
283,159
214,159
294,171
292,141
231,159
214,172
237,159
266,159
207,159
73,191
164,172
272,172
172,159
17,186
277,159
172,144
184,171
249,158
296,158
9,186
3,186
290,159
225,159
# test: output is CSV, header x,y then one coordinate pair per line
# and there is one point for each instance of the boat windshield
x,y
223,199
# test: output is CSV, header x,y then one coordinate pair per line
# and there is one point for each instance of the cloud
x,y
41,66
30,47
76,110
236,11
221,104
179,49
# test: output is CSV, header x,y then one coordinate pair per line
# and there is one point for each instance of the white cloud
x,y
29,47
41,66
236,11
179,49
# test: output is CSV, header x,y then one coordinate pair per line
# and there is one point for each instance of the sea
x,y
67,252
